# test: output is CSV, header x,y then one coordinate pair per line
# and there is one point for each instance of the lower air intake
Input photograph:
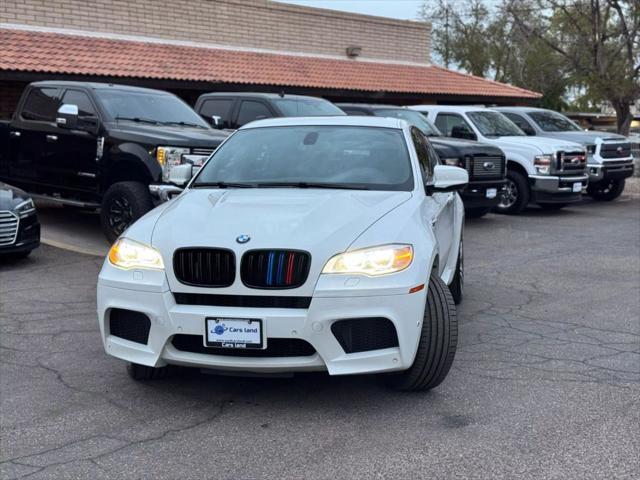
x,y
365,334
129,325
276,347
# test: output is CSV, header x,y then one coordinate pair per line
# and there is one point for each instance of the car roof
x,y
449,108
368,105
522,109
343,121
259,95
97,86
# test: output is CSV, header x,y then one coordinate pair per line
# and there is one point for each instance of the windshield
x,y
311,156
307,107
414,118
494,124
148,107
554,122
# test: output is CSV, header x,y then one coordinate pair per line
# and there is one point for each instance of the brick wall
x,y
248,23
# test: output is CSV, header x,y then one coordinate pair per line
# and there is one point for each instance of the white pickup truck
x,y
546,171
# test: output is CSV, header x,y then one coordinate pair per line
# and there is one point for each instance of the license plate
x,y
577,187
492,192
233,333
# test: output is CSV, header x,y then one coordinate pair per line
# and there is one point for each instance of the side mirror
x,y
448,179
216,122
460,131
67,116
181,174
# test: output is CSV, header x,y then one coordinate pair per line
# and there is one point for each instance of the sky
x,y
402,9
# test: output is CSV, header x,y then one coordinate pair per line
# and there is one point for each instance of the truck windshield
x,y
307,107
554,122
148,107
362,158
414,118
494,124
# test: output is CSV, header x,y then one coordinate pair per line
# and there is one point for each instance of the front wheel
x,y
606,190
123,204
437,346
514,197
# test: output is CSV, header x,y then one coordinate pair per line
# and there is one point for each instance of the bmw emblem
x,y
243,238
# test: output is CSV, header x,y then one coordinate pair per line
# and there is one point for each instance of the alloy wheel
x,y
120,215
508,195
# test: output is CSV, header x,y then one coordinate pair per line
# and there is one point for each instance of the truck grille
x,y
8,228
571,161
202,151
483,167
275,268
204,267
615,150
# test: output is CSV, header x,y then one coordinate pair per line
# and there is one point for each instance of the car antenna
x,y
281,93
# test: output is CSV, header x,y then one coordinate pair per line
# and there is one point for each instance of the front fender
x,y
130,151
523,161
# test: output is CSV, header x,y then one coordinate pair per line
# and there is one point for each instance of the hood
x,y
168,135
10,197
586,138
322,222
543,145
457,147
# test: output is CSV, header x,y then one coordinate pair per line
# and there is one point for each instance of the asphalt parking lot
x,y
545,384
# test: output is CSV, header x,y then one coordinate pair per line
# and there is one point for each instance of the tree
x,y
598,39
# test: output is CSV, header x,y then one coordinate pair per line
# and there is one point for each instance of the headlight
x,y
543,164
126,253
168,157
372,261
453,161
25,208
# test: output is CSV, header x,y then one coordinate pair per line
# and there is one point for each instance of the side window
x,y
353,111
422,150
446,122
520,122
81,99
219,107
434,158
251,110
41,105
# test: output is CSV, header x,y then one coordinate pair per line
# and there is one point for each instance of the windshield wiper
x,y
339,186
223,185
184,124
138,119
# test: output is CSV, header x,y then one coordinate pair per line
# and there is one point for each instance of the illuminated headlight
x,y
127,254
372,261
168,157
543,164
25,208
453,161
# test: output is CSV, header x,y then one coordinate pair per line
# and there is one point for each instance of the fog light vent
x,y
129,325
365,334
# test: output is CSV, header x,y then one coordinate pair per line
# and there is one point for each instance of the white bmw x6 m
x,y
303,244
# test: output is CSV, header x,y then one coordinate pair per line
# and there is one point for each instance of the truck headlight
x,y
168,157
25,208
543,164
372,261
127,254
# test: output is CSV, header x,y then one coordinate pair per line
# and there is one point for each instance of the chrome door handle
x,y
14,134
52,138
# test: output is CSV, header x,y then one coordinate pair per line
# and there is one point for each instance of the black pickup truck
x,y
484,163
95,145
231,110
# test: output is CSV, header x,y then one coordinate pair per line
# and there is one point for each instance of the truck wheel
x,y
142,372
476,212
457,284
123,204
437,347
552,206
606,190
514,197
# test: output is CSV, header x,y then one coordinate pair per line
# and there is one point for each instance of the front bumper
x,y
475,194
313,325
610,170
556,189
27,237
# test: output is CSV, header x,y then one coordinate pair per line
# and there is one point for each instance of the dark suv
x,y
484,163
232,110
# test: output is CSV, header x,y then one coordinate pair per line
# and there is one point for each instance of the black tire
x,y
552,207
437,346
457,284
123,204
606,190
142,372
514,197
476,212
